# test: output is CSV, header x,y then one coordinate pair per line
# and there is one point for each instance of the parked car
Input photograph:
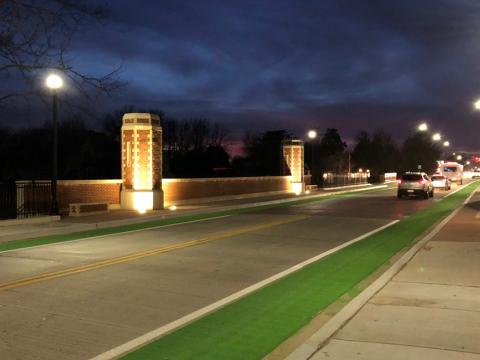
x,y
476,173
414,184
441,181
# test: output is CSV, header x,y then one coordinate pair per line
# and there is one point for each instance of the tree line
x,y
198,148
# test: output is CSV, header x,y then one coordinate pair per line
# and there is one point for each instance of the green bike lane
x,y
81,314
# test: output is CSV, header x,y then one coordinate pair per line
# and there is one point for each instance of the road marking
x,y
157,333
225,209
454,191
139,255
113,234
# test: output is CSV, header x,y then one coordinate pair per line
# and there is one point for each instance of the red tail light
x,y
399,181
423,182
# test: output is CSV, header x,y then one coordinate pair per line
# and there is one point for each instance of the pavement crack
x,y
435,283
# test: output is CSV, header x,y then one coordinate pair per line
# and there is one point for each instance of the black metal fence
x,y
8,200
24,199
332,180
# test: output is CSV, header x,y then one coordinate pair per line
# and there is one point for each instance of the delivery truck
x,y
452,171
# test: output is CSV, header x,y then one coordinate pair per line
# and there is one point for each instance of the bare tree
x,y
218,134
36,34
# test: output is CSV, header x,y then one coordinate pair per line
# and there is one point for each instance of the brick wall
x,y
182,190
88,191
175,190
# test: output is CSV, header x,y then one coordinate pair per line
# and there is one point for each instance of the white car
x,y
441,181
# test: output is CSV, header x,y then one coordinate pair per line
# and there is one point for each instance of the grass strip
x,y
51,239
252,327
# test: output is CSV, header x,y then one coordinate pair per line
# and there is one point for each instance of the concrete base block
x,y
141,200
298,187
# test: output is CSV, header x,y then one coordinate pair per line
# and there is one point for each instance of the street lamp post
x,y
54,82
312,134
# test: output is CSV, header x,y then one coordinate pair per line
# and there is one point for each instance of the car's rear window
x,y
450,169
438,177
411,177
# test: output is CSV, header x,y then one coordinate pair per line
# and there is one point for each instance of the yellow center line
x,y
146,253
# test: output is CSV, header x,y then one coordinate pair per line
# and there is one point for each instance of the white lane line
x,y
242,206
315,343
113,234
157,333
457,189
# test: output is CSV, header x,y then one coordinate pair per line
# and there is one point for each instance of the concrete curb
x,y
30,221
317,340
346,186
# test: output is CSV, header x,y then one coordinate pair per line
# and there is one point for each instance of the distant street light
x,y
468,162
423,127
446,143
54,82
312,134
459,157
436,137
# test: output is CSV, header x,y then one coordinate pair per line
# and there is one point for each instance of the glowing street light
x,y
476,104
54,82
423,127
312,134
468,162
446,143
459,157
436,137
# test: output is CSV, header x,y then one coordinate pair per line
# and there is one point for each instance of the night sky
x,y
258,65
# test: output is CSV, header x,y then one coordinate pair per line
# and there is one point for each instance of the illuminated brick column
x,y
141,162
293,164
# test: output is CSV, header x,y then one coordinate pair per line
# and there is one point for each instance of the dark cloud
x,y
293,64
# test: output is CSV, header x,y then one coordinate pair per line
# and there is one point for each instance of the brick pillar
x,y
293,164
141,162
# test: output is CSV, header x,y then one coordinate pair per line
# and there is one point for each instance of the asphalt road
x,y
78,299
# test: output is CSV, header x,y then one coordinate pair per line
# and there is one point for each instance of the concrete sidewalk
x,y
125,217
428,310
